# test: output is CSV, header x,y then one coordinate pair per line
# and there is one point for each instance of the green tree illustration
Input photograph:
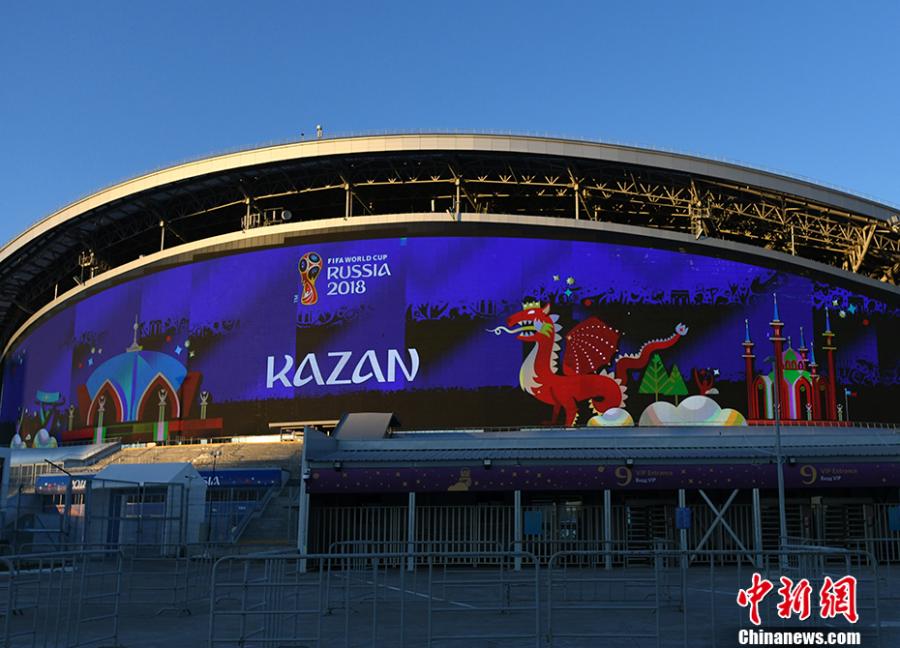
x,y
655,377
674,385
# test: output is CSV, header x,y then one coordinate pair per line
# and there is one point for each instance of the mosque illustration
x,y
140,394
805,393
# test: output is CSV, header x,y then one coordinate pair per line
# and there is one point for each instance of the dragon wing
x,y
590,344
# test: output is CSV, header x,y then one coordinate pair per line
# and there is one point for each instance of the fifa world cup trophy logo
x,y
310,266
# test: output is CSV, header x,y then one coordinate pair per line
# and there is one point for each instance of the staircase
x,y
275,524
285,455
38,531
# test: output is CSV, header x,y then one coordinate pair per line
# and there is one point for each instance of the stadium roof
x,y
681,444
155,473
70,456
241,200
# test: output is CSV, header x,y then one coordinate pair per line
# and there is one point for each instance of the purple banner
x,y
450,332
602,476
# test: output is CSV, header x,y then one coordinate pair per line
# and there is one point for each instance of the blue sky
x,y
93,93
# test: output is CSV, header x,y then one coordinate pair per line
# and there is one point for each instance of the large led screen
x,y
452,332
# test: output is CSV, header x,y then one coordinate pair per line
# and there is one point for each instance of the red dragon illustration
x,y
590,345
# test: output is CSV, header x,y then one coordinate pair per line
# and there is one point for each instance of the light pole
x,y
67,508
209,500
215,455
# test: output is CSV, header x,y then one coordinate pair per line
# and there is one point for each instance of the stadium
x,y
455,341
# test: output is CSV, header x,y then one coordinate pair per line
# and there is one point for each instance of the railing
x,y
419,597
61,599
272,600
695,428
258,510
340,599
667,603
416,552
843,424
863,525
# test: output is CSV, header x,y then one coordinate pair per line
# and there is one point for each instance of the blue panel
x,y
259,478
894,518
683,517
223,477
533,522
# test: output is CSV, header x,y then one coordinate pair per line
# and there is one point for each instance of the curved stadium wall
x,y
448,318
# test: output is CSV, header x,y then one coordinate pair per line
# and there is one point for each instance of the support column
x,y
517,522
303,510
88,511
757,527
682,533
607,528
348,201
67,512
411,532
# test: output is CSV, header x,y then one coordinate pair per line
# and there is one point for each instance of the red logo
x,y
794,598
836,598
310,266
753,596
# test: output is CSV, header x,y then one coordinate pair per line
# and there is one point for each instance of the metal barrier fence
x,y
416,552
350,597
578,596
168,583
632,526
668,603
161,579
60,599
270,601
649,598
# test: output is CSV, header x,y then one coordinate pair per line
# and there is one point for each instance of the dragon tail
x,y
614,396
639,360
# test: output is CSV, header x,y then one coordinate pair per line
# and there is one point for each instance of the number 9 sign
x,y
623,474
809,474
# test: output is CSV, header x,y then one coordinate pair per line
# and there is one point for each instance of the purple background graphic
x,y
223,318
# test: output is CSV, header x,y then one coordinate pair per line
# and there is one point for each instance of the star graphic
x,y
178,350
843,313
555,277
852,308
90,362
834,302
568,293
715,372
191,354
570,281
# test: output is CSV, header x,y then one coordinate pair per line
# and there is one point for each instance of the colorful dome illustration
x,y
132,373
